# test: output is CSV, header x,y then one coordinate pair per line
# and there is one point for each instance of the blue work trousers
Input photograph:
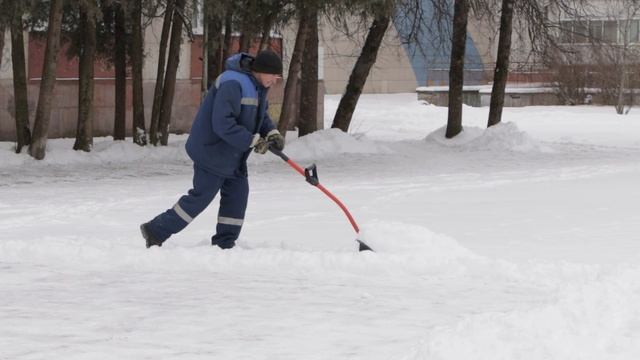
x,y
234,193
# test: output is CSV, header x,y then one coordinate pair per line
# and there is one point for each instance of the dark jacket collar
x,y
241,62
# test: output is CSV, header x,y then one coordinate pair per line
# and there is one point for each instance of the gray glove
x,y
275,139
261,146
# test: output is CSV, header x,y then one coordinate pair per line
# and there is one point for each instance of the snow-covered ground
x,y
517,242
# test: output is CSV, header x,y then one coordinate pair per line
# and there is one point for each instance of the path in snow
x,y
486,249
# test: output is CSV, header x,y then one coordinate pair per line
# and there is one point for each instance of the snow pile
x,y
105,151
409,239
320,144
468,134
329,142
389,117
500,137
413,248
469,261
597,319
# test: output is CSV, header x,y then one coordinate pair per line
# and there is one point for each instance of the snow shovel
x,y
311,175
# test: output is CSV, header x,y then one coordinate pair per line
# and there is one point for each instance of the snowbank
x,y
532,265
105,151
501,137
410,239
405,246
593,320
320,144
325,144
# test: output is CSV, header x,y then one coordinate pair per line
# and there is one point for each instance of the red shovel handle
x,y
311,174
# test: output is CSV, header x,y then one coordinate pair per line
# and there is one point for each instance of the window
x,y
610,31
197,19
566,32
634,31
580,32
574,32
595,29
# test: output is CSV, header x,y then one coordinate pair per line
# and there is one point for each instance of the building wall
x,y
337,54
64,106
402,68
392,72
152,43
429,54
398,69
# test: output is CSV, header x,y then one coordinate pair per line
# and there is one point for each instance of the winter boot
x,y
148,236
223,243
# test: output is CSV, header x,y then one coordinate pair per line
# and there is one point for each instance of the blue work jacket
x,y
234,109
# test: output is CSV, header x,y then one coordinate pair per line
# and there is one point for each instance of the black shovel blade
x,y
363,247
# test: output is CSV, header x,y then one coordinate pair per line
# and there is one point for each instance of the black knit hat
x,y
267,62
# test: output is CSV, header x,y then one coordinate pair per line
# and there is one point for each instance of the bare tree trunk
x,y
206,43
3,28
309,85
621,89
137,64
159,88
172,70
360,71
291,101
214,47
265,42
228,38
87,29
501,74
246,34
245,38
631,101
119,123
456,70
43,111
622,82
20,95
250,23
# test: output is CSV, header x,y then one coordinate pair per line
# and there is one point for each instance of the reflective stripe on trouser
x,y
233,204
205,187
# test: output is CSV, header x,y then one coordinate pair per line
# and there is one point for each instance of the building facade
x,y
400,67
